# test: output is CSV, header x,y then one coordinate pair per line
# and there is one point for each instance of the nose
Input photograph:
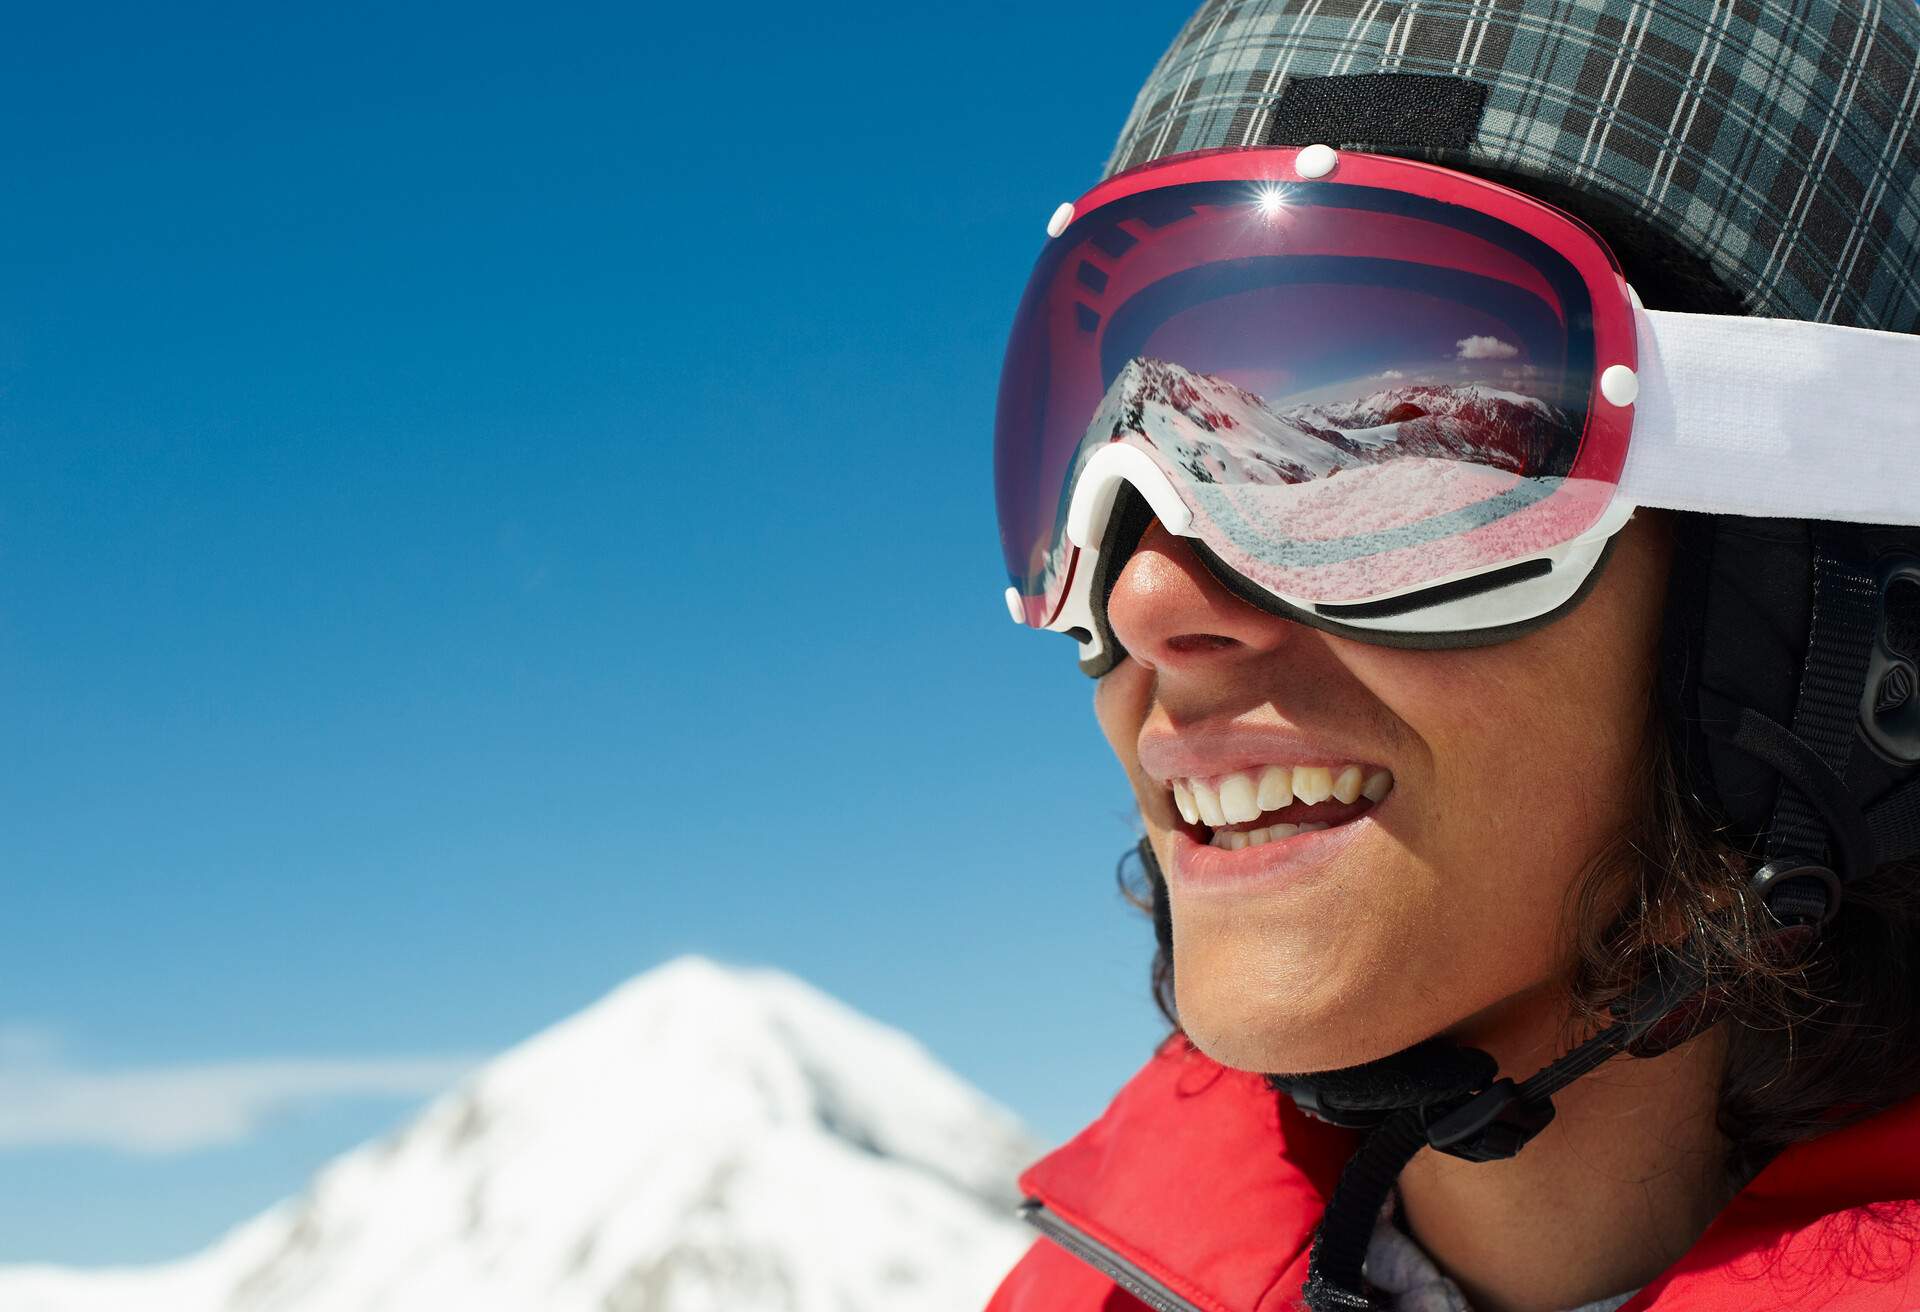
x,y
1171,613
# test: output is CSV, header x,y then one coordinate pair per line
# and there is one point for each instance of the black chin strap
x,y
1487,1120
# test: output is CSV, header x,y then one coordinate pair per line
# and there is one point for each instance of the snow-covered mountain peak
x,y
702,1138
750,1052
1222,434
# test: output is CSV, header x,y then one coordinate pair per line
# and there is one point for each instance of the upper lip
x,y
1208,751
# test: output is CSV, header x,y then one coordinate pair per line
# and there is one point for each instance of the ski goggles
x,y
1394,401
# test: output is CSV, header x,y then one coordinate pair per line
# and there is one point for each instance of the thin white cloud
x,y
159,1110
23,1045
1391,373
1485,348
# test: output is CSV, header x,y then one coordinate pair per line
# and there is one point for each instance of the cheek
x,y
1456,914
1535,746
1121,700
1532,748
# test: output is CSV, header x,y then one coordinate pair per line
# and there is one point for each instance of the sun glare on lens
x,y
1271,201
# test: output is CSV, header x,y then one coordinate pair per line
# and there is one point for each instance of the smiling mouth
x,y
1267,803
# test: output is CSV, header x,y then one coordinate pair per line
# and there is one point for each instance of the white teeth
x,y
1276,787
1312,783
1233,840
1346,784
1237,800
1313,826
1207,802
1183,799
1240,798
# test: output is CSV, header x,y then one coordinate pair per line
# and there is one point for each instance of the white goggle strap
x,y
1775,418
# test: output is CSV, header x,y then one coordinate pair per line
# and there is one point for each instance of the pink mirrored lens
x,y
1356,391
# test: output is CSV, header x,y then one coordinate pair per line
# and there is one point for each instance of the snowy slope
x,y
1423,449
701,1140
1367,497
1472,422
1224,434
1217,431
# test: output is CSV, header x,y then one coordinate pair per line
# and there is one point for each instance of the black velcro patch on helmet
x,y
1379,109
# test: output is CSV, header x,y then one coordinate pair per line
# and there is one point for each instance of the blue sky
x,y
495,500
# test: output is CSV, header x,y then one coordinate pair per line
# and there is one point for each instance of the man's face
x,y
1436,908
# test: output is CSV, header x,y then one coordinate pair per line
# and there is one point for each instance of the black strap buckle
x,y
1491,1125
1797,891
1890,697
1315,1103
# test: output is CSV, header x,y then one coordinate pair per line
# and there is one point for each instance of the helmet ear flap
x,y
1739,606
1739,618
1126,524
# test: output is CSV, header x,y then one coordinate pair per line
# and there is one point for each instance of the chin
x,y
1252,1029
1256,1011
1275,1051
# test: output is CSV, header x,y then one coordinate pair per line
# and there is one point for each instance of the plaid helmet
x,y
1770,147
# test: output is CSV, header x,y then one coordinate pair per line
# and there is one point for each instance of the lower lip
x,y
1202,868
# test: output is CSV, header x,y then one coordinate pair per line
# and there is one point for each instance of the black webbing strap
x,y
1494,1123
1334,1282
1810,783
1894,822
1839,639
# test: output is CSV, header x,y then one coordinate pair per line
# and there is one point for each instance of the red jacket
x,y
1200,1189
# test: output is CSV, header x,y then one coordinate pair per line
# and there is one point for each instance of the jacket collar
x,y
1831,1222
1222,1215
1212,1183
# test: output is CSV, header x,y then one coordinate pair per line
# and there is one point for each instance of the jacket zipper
x,y
1104,1260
